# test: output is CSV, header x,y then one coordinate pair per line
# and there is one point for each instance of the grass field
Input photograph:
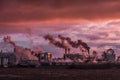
x,y
58,74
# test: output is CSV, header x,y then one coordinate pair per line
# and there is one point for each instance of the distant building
x,y
46,57
109,55
7,59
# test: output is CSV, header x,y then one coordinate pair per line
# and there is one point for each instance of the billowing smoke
x,y
75,44
8,39
85,46
20,52
59,44
36,50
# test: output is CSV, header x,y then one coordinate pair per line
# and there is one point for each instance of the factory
x,y
7,59
22,56
27,57
11,59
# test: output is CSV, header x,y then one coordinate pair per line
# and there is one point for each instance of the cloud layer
x,y
46,10
98,35
93,21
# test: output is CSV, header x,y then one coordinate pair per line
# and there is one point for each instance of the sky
x,y
95,22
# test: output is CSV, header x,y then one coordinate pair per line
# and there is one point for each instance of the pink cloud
x,y
91,32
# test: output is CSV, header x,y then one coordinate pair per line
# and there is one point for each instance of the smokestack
x,y
14,50
65,51
68,50
1,51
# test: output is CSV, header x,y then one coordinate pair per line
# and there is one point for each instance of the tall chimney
x,y
65,50
68,50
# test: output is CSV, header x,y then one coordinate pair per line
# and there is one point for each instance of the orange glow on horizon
x,y
59,21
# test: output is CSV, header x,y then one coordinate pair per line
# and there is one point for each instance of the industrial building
x,y
7,59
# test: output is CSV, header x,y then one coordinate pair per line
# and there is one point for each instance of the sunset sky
x,y
96,22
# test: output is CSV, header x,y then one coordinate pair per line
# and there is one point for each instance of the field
x,y
58,74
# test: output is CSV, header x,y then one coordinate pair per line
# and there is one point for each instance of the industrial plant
x,y
27,57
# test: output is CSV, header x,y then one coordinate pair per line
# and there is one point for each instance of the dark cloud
x,y
40,29
6,29
45,10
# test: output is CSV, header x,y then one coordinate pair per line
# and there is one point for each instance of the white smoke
x,y
20,52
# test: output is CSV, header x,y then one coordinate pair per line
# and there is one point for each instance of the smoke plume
x,y
20,52
75,44
59,44
55,42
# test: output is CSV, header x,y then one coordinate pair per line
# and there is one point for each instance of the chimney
x,y
68,50
14,50
1,51
64,56
65,50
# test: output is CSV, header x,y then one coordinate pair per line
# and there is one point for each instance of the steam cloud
x,y
20,52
